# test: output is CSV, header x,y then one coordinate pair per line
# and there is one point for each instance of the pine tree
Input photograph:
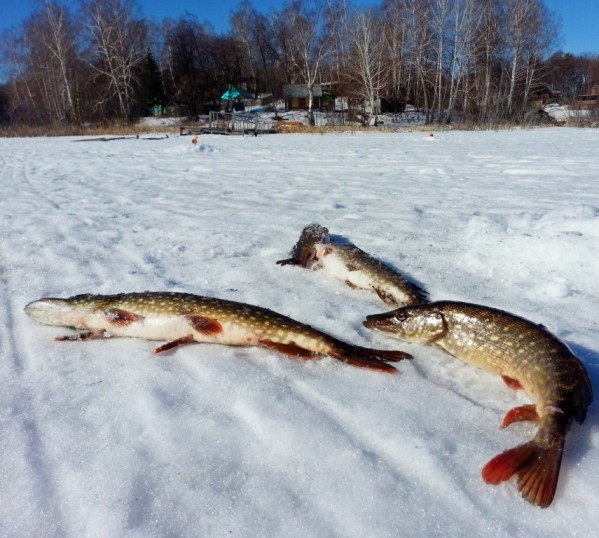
x,y
150,91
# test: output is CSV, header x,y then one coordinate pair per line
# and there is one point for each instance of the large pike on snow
x,y
181,318
350,264
527,356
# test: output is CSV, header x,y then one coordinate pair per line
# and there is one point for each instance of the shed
x,y
296,96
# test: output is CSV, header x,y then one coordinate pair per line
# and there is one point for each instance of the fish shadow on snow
x,y
341,240
578,440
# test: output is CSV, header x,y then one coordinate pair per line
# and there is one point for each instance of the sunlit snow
x,y
104,439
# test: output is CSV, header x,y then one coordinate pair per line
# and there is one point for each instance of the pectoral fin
x,y
289,261
87,335
174,343
205,326
120,317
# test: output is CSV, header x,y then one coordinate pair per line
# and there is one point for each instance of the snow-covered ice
x,y
104,439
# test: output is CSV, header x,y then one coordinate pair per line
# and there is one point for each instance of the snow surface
x,y
104,439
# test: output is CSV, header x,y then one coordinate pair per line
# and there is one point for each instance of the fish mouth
x,y
48,311
379,322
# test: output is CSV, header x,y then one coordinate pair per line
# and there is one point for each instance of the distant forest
x,y
488,60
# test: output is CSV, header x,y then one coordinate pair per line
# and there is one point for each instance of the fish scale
x,y
182,318
527,356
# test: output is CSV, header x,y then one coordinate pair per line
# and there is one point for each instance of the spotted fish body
x,y
181,318
527,356
350,264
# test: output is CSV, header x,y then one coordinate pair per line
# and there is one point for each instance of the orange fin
x,y
120,317
520,414
174,343
291,349
536,467
512,383
87,335
206,326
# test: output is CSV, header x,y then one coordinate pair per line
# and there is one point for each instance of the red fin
x,y
375,359
120,317
206,326
291,349
174,343
536,466
513,384
87,335
520,414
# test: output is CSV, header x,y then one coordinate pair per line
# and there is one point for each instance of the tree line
x,y
486,60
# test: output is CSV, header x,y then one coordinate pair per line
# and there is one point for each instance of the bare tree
x,y
304,45
396,28
367,71
43,61
242,26
118,42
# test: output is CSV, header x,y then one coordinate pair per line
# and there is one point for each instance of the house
x,y
168,106
297,96
589,99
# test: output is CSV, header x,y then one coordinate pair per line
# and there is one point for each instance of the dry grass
x,y
126,129
117,129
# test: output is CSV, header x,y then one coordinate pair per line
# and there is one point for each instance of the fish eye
x,y
400,315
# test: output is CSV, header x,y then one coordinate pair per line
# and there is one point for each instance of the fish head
x,y
71,312
307,249
413,323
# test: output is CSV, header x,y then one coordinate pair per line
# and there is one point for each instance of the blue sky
x,y
580,18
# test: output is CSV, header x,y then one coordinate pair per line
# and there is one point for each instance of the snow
x,y
102,438
564,113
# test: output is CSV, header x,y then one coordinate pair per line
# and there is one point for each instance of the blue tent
x,y
236,93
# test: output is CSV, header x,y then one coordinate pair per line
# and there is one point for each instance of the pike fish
x,y
528,357
181,318
358,269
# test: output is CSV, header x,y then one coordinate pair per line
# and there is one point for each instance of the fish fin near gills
x,y
289,261
174,343
520,414
375,359
512,383
536,467
120,317
205,326
291,349
87,335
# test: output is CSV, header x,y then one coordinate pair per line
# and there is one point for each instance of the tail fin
x,y
536,466
365,357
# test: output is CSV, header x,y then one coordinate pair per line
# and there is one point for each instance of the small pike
x,y
358,269
181,318
528,357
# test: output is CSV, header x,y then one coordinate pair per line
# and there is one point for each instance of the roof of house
x,y
236,93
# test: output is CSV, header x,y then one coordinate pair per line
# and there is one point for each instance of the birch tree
x,y
367,70
305,45
118,42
